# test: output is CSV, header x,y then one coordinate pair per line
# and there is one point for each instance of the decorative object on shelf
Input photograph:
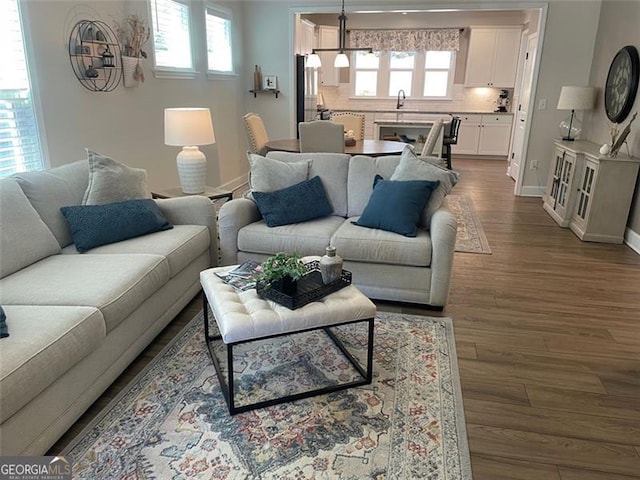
x,y
617,143
282,271
622,84
330,265
502,101
95,55
605,149
257,78
574,98
188,128
270,82
341,60
133,34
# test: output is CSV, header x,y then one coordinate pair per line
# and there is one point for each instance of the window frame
x,y
227,14
417,87
353,74
390,70
163,71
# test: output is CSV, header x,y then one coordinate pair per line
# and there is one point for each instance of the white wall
x,y
127,123
619,26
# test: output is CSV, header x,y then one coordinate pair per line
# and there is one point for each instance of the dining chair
x,y
256,133
321,136
350,121
432,139
450,138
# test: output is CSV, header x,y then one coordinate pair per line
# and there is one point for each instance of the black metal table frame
x,y
228,390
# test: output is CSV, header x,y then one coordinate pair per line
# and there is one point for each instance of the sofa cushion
x,y
95,225
371,245
362,172
48,190
298,203
411,167
268,175
116,284
45,342
24,237
396,206
181,245
112,181
332,168
306,238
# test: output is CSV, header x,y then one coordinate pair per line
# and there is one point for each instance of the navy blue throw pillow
x,y
298,203
95,225
395,206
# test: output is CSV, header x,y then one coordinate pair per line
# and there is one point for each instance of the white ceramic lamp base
x,y
192,169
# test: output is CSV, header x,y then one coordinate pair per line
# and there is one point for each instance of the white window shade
x,y
19,142
171,21
219,47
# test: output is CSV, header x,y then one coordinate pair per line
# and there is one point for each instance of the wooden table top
x,y
373,148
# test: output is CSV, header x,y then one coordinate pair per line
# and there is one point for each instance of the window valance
x,y
407,40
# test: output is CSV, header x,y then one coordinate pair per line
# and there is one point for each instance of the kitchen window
x,y
422,75
171,21
219,47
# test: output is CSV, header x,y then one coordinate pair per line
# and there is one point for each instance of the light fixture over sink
x,y
341,60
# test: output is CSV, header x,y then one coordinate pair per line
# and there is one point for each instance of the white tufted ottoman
x,y
243,317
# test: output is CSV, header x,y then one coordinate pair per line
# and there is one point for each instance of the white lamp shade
x,y
313,61
576,98
341,61
188,126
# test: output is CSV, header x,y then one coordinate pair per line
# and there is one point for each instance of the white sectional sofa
x,y
76,321
385,265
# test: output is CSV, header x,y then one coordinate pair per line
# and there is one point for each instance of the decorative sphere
x,y
576,128
605,149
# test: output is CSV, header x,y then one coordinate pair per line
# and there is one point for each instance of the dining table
x,y
372,148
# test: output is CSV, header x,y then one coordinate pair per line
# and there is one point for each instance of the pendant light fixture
x,y
341,60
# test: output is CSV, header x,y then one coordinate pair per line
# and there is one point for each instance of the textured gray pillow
x,y
268,175
411,167
111,181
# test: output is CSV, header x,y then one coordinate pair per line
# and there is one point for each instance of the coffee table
x,y
243,317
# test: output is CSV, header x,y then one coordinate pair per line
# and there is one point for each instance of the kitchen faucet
x,y
400,103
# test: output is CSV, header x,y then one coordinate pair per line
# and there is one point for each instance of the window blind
x,y
19,141
171,34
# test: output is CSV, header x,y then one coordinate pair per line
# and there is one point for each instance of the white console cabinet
x,y
590,193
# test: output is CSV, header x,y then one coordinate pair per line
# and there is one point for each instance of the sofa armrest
x,y
234,215
193,210
444,226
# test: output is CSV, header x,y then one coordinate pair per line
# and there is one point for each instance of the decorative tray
x,y
310,288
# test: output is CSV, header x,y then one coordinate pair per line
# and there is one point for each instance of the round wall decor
x,y
622,84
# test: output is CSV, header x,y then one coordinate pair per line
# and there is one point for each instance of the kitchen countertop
x,y
425,112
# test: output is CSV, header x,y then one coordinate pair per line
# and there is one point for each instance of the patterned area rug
x,y
470,237
172,421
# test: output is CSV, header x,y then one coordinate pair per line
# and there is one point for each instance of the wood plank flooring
x,y
548,340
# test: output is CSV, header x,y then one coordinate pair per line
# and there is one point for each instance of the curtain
x,y
407,40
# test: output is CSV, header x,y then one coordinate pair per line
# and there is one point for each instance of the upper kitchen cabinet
x,y
305,32
492,59
328,38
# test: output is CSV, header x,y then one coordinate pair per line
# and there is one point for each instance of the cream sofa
x,y
76,321
385,265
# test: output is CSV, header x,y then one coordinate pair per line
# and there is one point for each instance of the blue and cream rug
x,y
172,421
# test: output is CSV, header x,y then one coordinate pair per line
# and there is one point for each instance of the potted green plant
x,y
282,271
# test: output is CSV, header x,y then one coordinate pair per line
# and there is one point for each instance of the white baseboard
x,y
632,239
532,191
235,183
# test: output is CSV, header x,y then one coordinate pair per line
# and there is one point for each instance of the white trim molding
x,y
632,239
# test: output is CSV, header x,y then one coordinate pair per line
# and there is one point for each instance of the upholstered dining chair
x,y
321,136
350,121
256,133
432,139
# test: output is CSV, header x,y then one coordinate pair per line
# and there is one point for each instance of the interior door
x,y
522,113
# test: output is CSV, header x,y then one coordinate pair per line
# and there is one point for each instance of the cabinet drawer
x,y
470,117
502,119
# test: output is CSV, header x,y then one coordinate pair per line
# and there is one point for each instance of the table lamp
x,y
188,128
574,98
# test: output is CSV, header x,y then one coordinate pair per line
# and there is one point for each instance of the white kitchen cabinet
x,y
483,134
590,193
328,38
305,33
492,59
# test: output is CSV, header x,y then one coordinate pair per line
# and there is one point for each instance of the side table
x,y
213,193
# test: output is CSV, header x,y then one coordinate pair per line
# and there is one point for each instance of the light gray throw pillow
x,y
111,181
268,175
412,167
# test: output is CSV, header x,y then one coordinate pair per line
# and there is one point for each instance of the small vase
x,y
330,266
129,65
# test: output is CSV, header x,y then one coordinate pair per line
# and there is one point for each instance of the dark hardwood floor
x,y
548,340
